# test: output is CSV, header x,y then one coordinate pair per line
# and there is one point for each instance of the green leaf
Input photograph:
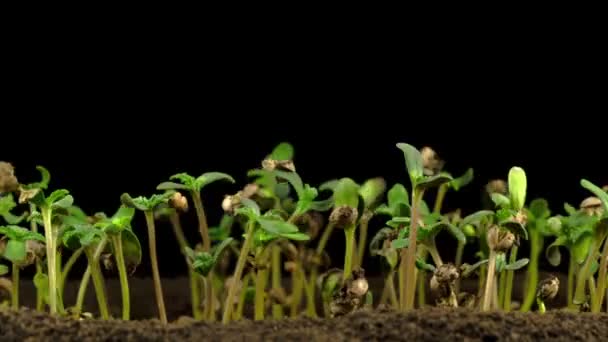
x,y
597,191
329,185
518,184
251,204
423,266
581,248
377,243
462,181
601,229
323,205
171,186
185,179
203,263
539,208
129,201
466,271
515,228
552,252
56,196
500,200
433,181
275,226
413,161
398,195
371,191
476,217
63,203
218,249
41,282
569,209
594,267
293,179
3,270
400,243
131,250
12,219
346,193
517,264
15,251
282,190
398,222
456,233
211,177
283,151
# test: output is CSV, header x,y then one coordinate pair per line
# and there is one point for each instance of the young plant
x,y
370,192
148,205
420,183
381,245
19,249
547,290
126,249
58,199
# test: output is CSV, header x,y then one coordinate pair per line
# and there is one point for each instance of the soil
x,y
429,324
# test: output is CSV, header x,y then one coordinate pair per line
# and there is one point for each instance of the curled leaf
x,y
517,264
462,181
413,161
552,252
171,186
433,181
283,151
476,217
421,265
211,177
500,200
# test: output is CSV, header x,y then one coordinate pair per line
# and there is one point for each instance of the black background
x,y
126,124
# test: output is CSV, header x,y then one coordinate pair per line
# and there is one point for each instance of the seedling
x,y
14,248
547,290
420,183
148,205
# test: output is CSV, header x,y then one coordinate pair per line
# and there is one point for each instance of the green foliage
x,y
597,191
398,202
195,184
203,262
7,204
413,162
462,181
146,203
3,269
283,151
518,184
371,191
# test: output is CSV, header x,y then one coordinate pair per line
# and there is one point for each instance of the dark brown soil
x,y
422,325
431,324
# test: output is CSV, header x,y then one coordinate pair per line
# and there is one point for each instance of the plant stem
x,y
510,275
592,293
541,306
158,290
82,290
260,293
601,280
122,273
183,244
487,296
409,255
392,294
532,276
228,307
15,294
277,309
420,281
49,235
296,289
348,257
571,270
97,276
362,242
482,280
401,280
68,267
34,227
502,284
311,307
458,263
58,261
432,248
579,294
238,314
204,231
441,192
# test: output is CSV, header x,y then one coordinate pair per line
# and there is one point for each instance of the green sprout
x,y
420,183
58,199
126,249
16,251
148,205
261,230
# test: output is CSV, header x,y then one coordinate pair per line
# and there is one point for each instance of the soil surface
x,y
421,325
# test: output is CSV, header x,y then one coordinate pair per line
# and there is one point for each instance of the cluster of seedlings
x,y
279,225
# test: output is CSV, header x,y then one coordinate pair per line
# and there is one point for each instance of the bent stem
x,y
510,274
458,263
122,273
309,287
229,304
441,192
487,295
349,233
579,294
362,242
15,293
68,267
82,290
541,305
98,281
238,314
194,284
158,290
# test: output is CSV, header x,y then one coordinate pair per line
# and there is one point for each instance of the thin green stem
x,y
502,284
204,231
15,294
458,263
571,271
441,192
541,306
34,228
68,267
510,275
401,280
601,280
260,293
194,284
392,294
487,295
158,290
122,273
432,248
296,289
82,290
229,304
98,282
421,290
348,257
311,307
58,271
409,255
238,314
532,275
49,235
277,309
592,289
362,242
